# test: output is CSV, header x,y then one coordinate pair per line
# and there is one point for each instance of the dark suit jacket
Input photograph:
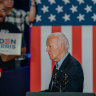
x,y
69,78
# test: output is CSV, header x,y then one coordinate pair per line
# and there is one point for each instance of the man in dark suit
x,y
67,73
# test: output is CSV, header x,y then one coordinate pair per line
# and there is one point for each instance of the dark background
x,y
21,4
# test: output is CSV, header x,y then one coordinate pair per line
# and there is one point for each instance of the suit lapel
x,y
65,65
62,69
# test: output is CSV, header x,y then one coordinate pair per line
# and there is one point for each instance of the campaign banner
x,y
10,43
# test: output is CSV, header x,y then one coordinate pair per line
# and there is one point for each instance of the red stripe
x,y
55,29
35,63
94,59
76,43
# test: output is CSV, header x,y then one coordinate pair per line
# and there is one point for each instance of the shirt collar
x,y
61,61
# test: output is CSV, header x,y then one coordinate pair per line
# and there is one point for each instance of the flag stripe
x,y
56,29
76,43
35,63
67,30
94,59
87,58
45,61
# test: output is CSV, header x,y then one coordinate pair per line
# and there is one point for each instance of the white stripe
x,y
45,61
67,30
87,58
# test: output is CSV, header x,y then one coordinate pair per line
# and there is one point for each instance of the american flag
x,y
66,12
77,20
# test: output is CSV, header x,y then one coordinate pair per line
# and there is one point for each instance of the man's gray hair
x,y
62,39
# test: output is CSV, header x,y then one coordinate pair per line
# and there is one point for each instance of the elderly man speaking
x,y
67,73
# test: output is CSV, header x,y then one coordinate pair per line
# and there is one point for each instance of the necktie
x,y
54,77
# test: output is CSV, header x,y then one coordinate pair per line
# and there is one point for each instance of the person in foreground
x,y
19,17
67,73
7,62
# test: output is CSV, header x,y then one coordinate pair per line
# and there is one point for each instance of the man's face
x,y
2,12
53,48
8,3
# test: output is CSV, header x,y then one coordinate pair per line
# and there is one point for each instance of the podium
x,y
59,94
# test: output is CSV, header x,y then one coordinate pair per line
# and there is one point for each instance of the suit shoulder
x,y
74,65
